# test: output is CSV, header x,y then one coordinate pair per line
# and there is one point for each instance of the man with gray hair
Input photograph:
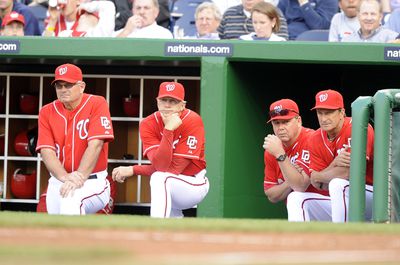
x,y
236,20
370,16
143,22
207,18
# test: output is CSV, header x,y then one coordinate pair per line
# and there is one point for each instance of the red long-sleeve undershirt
x,y
162,158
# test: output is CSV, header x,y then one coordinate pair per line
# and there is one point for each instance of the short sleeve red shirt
x,y
323,151
68,132
298,153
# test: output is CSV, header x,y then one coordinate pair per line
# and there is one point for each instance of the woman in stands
x,y
265,22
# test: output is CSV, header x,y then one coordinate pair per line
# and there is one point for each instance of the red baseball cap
x,y
172,89
13,16
68,72
328,99
284,109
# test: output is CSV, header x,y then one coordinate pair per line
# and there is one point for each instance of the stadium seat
x,y
314,35
182,14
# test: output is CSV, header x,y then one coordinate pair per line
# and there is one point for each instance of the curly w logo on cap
x,y
62,70
323,97
67,72
172,89
284,109
328,99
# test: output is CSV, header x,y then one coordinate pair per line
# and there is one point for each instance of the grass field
x,y
31,238
35,220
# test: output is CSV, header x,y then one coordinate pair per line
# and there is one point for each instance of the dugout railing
x,y
382,108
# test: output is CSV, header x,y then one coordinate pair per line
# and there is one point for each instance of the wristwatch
x,y
281,158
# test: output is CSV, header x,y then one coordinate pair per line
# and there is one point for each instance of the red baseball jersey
x,y
188,140
298,153
68,132
323,151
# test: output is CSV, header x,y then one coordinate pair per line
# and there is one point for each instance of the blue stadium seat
x,y
182,14
314,35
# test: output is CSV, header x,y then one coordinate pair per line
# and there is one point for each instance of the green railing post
x,y
360,116
383,104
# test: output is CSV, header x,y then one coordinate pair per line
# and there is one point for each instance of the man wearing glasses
x,y
287,160
74,132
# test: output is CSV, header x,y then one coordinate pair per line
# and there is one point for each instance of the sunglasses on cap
x,y
281,112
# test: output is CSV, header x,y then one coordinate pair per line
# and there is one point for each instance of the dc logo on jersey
x,y
105,122
323,97
62,70
170,87
81,126
191,142
305,156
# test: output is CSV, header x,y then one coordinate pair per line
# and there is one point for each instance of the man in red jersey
x,y
173,140
287,159
74,132
330,155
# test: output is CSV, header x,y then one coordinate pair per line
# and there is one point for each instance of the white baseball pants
x,y
308,206
339,193
89,199
170,193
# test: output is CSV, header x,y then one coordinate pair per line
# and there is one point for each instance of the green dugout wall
x,y
235,95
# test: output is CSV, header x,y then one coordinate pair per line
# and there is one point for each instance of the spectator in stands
x,y
236,21
389,6
62,17
143,22
394,4
207,19
124,12
164,17
31,27
345,22
39,10
266,23
223,5
72,19
96,19
393,22
303,15
370,16
13,25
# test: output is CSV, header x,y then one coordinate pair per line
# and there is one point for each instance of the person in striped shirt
x,y
237,21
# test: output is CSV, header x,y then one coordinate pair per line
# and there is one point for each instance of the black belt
x,y
93,176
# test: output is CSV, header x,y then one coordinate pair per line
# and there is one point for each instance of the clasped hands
x,y
342,162
72,181
119,174
342,159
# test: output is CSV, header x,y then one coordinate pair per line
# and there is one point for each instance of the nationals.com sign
x,y
9,46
